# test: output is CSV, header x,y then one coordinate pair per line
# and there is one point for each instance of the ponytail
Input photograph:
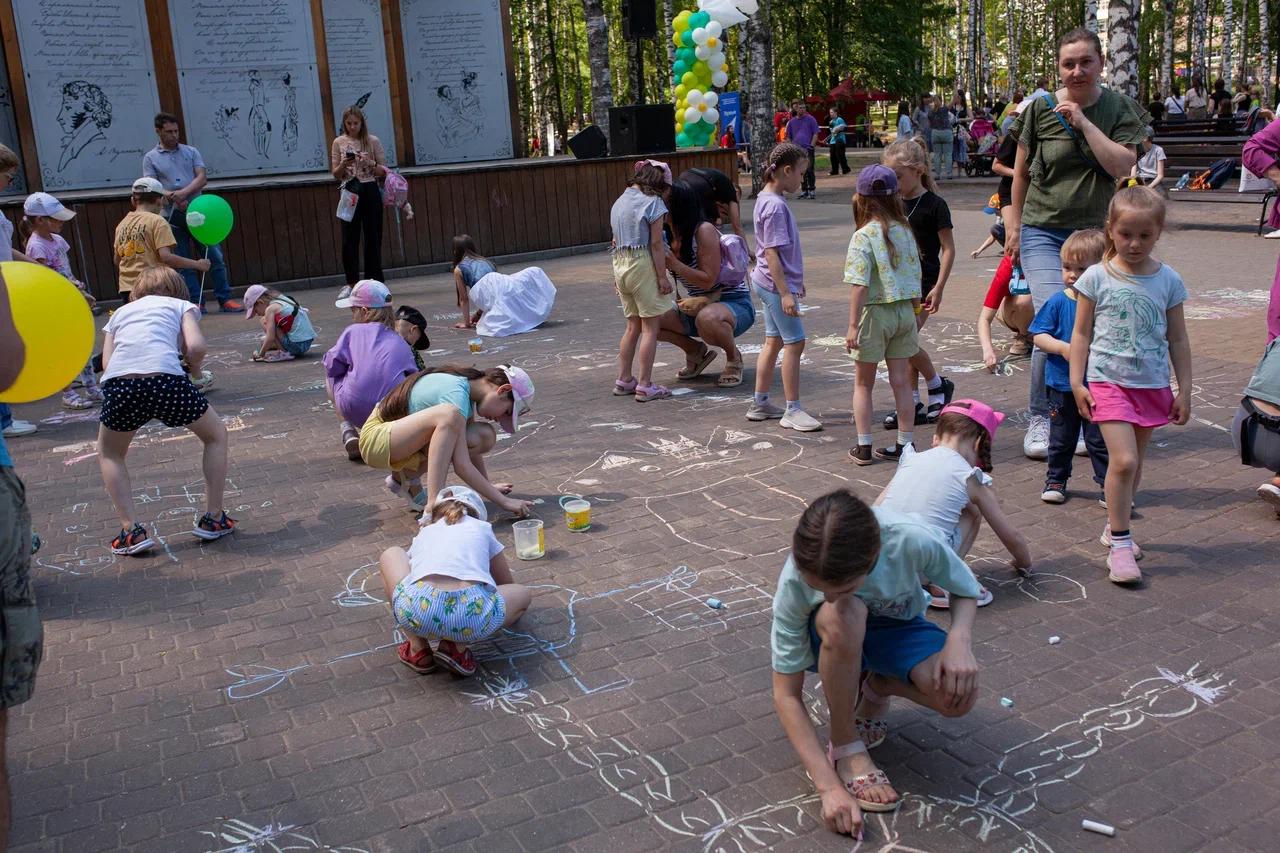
x,y
452,511
395,405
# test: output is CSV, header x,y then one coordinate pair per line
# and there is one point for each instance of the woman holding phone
x,y
357,159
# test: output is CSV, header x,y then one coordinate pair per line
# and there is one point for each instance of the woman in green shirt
x,y
1072,146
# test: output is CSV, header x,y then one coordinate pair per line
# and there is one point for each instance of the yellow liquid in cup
x,y
476,344
577,515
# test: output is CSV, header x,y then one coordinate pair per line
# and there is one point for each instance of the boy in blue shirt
x,y
850,607
1051,330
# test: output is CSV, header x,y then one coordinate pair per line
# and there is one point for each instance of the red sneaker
x,y
455,659
214,528
135,541
421,663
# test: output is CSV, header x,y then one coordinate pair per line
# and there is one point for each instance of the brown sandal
x,y
694,367
731,376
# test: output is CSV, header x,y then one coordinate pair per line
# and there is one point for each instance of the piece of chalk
x,y
1053,641
1006,701
715,604
1100,828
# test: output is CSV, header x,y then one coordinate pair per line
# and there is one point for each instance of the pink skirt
x,y
1144,407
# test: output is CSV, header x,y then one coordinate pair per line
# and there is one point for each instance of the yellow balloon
x,y
55,325
677,37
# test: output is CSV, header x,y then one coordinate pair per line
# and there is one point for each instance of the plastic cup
x,y
530,540
476,344
577,513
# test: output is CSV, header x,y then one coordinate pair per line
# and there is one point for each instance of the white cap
x,y
43,204
148,185
465,495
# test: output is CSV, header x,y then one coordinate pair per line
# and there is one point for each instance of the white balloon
x,y
717,61
702,52
700,35
692,116
711,99
694,97
711,116
714,29
719,79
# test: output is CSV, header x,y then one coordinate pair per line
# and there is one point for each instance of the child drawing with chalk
x,y
453,585
849,598
950,487
412,326
286,327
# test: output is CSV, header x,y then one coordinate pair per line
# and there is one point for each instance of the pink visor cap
x,y
986,417
522,397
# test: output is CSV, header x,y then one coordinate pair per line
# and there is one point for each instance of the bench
x,y
1192,147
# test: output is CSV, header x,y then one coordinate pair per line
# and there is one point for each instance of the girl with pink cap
x,y
950,487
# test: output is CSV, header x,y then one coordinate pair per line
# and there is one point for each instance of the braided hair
x,y
783,154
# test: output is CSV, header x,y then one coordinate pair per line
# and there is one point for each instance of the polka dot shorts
x,y
130,402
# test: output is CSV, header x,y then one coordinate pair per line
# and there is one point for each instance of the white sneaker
x,y
204,381
1054,493
764,413
345,291
19,428
1036,444
1272,235
1268,492
801,421
1081,448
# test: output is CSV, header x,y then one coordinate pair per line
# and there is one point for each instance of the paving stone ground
x,y
244,695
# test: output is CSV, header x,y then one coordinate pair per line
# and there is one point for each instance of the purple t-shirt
x,y
775,228
363,366
802,129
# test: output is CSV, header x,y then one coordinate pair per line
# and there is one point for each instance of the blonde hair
x,y
1086,247
885,209
1143,201
908,153
8,160
385,315
452,511
160,281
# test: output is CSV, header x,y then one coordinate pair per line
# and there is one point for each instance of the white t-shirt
x,y
933,485
1174,106
6,238
145,337
1195,100
1148,162
461,551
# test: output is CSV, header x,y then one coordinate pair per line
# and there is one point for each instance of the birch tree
x,y
1122,46
1166,47
668,17
1228,37
1013,42
1264,27
598,62
1199,27
760,66
1091,16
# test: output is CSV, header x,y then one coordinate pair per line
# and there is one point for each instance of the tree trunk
x,y
554,56
1228,37
1122,46
668,17
537,74
1264,29
1166,53
598,62
961,32
761,71
1091,16
741,35
1199,25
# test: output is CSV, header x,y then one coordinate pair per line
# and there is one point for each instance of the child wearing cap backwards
x,y
849,600
452,584
286,327
143,379
42,221
883,266
412,326
367,361
144,239
427,423
949,486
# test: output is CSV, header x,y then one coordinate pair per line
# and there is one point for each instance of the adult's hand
x,y
1013,246
1073,113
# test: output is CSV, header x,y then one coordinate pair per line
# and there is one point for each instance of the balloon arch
x,y
701,65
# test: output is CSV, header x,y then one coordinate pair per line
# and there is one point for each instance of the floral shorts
x,y
464,615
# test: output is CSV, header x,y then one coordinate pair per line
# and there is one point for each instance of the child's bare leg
x,y
648,348
902,382
921,690
627,349
791,354
112,447
1123,464
864,381
516,599
765,362
481,438
841,626
210,430
393,565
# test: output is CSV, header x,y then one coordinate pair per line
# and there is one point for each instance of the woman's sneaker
x,y
214,528
134,541
454,659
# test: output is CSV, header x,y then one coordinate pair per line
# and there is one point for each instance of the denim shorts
x,y
296,347
776,323
891,647
744,315
464,616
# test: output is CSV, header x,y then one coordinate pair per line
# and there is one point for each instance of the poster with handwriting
x,y
250,90
455,55
9,128
358,66
92,89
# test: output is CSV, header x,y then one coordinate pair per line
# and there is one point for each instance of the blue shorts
x,y
464,616
744,315
296,347
890,647
776,323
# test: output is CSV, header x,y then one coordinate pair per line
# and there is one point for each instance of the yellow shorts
x,y
375,446
638,284
887,330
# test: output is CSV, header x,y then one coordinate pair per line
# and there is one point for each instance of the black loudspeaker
x,y
639,19
642,129
589,143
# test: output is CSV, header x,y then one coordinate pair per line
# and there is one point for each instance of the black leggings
x,y
367,221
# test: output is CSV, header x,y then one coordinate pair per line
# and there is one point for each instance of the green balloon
x,y
209,219
699,19
682,141
680,68
687,38
688,55
689,79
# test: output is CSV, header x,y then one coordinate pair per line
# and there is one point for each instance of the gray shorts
x,y
1263,444
21,637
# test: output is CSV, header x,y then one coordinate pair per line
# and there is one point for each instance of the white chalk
x,y
1006,701
1100,828
1053,641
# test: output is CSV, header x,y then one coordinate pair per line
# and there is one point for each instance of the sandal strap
x,y
858,784
835,753
870,725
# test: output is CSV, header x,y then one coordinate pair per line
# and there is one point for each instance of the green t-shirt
x,y
867,263
1265,383
436,388
1066,190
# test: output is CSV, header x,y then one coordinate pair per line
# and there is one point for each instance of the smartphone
x,y
351,155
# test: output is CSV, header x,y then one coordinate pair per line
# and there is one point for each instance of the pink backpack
x,y
735,258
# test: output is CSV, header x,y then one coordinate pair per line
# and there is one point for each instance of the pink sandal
x,y
858,784
652,391
624,389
